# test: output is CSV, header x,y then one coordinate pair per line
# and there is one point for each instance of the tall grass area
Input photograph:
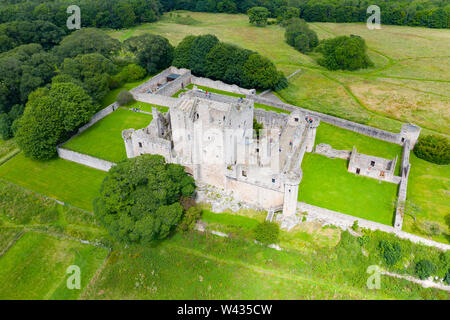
x,y
342,139
327,183
35,267
63,180
409,82
195,266
104,139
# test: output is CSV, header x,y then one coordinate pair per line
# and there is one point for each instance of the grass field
x,y
327,183
35,267
410,80
342,139
7,237
429,189
194,266
60,179
147,107
104,139
111,97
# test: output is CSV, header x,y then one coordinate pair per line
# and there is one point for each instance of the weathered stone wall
x,y
345,221
156,99
84,159
159,79
173,87
219,85
342,123
99,116
403,188
327,151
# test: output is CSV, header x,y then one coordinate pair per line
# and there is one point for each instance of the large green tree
x,y
50,117
182,54
153,52
140,198
200,48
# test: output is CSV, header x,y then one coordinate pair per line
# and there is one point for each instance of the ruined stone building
x,y
213,137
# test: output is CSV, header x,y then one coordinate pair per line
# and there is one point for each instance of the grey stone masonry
x,y
342,123
403,188
84,159
345,221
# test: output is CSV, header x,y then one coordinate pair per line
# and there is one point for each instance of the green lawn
x,y
225,93
269,108
35,267
104,139
147,107
7,236
63,180
342,139
429,189
327,183
111,97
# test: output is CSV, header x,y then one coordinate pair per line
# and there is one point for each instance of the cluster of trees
x,y
344,53
427,13
432,148
300,36
114,14
143,199
206,56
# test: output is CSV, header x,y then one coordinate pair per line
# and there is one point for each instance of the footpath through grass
x,y
327,183
63,180
35,267
104,139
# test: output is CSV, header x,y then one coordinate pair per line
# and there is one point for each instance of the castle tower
x,y
291,188
126,135
410,132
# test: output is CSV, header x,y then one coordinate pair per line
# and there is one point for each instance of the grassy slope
x,y
344,192
35,267
412,61
60,179
428,188
104,139
194,266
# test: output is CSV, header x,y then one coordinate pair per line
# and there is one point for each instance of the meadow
x,y
35,267
62,180
326,183
410,80
104,139
197,266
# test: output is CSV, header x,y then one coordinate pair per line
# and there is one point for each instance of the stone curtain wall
x,y
84,159
156,99
99,116
403,188
178,84
159,78
342,123
219,85
345,221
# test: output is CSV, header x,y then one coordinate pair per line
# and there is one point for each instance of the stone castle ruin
x,y
212,136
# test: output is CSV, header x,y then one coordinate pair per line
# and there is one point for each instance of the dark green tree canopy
x,y
51,115
140,198
87,40
182,54
344,53
153,52
300,36
200,48
432,148
258,16
93,70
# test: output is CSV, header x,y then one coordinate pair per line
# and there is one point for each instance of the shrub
x,y
299,35
424,269
390,251
355,225
267,232
447,277
258,16
132,72
124,98
189,219
435,149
